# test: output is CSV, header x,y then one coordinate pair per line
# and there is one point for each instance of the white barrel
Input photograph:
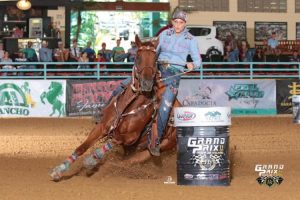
x,y
296,108
194,116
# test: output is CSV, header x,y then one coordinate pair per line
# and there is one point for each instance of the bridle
x,y
136,72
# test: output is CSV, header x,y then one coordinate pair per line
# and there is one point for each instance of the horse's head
x,y
145,63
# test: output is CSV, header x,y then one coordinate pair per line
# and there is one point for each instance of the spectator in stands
x,y
295,58
83,58
100,58
273,43
75,52
231,41
277,55
245,53
45,53
259,56
132,52
30,53
1,51
61,54
7,59
105,52
90,52
230,55
265,47
118,53
21,58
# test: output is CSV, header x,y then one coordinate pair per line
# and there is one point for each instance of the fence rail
x,y
120,70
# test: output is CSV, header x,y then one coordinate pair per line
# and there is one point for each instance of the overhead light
x,y
24,4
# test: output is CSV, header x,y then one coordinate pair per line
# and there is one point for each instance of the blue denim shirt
x,y
174,49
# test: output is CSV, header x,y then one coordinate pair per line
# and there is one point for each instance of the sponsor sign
x,y
285,90
87,97
32,98
269,174
245,97
193,116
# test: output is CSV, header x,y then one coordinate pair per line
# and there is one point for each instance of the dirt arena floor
x,y
29,148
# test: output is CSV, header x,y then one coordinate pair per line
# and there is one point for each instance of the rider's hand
x,y
190,66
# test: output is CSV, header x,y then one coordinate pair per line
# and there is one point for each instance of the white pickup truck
x,y
207,41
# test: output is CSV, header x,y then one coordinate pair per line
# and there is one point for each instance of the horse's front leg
x,y
97,133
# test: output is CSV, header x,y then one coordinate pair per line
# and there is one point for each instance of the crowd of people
x,y
240,51
62,54
234,51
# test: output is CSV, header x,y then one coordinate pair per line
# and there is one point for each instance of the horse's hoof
x,y
90,162
56,172
55,175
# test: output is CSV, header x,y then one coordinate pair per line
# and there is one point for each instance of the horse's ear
x,y
138,41
155,41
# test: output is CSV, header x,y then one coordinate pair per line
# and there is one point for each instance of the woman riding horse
x,y
140,100
175,44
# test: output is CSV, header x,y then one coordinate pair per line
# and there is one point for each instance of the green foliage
x,y
87,29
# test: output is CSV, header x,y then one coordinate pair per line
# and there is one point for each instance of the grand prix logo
x,y
269,175
186,116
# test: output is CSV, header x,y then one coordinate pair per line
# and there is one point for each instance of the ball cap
x,y
179,14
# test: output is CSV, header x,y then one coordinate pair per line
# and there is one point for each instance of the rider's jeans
x,y
172,83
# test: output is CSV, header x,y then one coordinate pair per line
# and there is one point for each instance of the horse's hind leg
x,y
145,155
139,157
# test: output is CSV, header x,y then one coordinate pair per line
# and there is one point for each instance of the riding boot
x,y
154,144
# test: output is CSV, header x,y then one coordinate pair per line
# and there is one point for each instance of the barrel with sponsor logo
x,y
202,145
296,108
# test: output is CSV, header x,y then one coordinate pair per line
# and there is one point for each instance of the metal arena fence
x,y
121,70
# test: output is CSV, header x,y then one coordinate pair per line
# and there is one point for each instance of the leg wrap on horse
x,y
93,159
57,172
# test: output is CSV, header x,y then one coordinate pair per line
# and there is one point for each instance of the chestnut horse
x,y
127,118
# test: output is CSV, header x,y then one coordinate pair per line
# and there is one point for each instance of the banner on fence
x,y
245,97
285,89
87,97
32,98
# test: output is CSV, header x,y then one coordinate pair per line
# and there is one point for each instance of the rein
x,y
169,77
179,74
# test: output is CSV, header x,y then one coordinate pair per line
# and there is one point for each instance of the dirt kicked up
x,y
29,148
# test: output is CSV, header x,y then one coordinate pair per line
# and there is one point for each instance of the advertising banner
x,y
245,97
32,98
285,89
212,116
88,96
